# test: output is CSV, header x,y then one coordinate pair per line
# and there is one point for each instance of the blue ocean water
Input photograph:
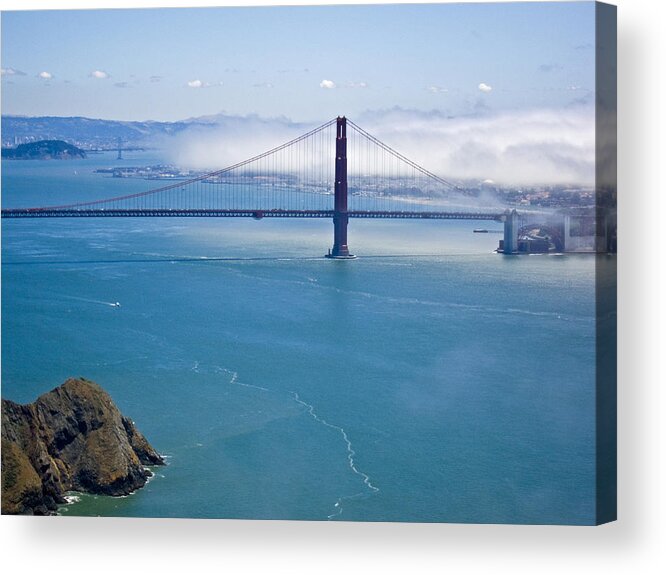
x,y
429,380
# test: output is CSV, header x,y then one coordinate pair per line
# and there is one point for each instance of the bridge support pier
x,y
510,243
340,249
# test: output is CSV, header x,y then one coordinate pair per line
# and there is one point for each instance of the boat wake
x,y
95,301
234,379
350,457
370,488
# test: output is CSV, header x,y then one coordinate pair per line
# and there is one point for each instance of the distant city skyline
x,y
304,63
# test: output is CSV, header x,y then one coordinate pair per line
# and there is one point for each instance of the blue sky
x,y
305,63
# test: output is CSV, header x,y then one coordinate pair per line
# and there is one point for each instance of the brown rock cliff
x,y
71,438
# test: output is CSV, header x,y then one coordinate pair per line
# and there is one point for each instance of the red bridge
x,y
298,180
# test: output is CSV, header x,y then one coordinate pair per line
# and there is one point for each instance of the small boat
x,y
480,231
117,304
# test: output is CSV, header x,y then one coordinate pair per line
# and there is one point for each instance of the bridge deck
x,y
257,214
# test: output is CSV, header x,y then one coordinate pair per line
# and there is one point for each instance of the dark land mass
x,y
44,150
72,438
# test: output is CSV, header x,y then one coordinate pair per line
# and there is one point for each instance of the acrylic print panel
x,y
175,343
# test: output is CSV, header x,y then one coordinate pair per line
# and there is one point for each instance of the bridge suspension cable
x,y
296,175
399,156
200,178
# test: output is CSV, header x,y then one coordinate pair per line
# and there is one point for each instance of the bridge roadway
x,y
256,214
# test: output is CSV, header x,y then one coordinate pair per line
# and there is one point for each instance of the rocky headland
x,y
72,438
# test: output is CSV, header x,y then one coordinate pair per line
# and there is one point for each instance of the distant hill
x,y
44,150
82,131
85,132
91,134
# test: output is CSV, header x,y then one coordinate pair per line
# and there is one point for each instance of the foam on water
x,y
472,308
350,456
310,409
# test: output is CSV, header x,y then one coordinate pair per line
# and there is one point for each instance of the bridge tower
x,y
340,217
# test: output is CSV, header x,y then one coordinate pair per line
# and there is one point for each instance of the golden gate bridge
x,y
297,179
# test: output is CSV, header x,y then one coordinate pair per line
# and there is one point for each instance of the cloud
x,y
527,147
437,89
263,85
357,85
99,74
155,78
327,84
547,68
485,87
11,72
121,84
45,75
220,141
585,99
199,84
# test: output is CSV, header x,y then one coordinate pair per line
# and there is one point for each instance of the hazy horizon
x,y
503,91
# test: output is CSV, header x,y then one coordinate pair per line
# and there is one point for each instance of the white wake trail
x,y
234,379
96,301
311,411
350,455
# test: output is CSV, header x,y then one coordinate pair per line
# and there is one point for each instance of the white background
x,y
634,544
